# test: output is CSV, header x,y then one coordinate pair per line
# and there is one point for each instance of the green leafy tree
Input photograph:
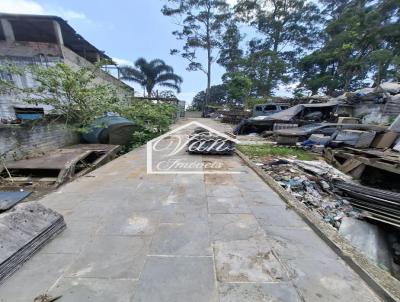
x,y
288,28
73,93
218,97
151,119
362,38
201,23
231,55
265,68
7,71
252,101
238,88
150,74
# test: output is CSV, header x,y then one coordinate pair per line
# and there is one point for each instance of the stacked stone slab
x,y
23,231
203,141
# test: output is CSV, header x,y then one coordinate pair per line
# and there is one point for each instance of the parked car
x,y
268,109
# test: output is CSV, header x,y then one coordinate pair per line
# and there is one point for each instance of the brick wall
x,y
18,141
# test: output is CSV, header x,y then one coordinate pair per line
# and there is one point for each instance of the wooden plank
x,y
350,165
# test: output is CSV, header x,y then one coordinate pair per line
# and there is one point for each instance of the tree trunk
x,y
272,66
207,99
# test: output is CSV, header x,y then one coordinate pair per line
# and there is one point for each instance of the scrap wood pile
x,y
202,141
23,231
378,205
310,182
234,115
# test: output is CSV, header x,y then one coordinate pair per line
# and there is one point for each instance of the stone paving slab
x,y
178,279
111,257
93,290
229,227
133,236
328,280
262,292
227,205
186,239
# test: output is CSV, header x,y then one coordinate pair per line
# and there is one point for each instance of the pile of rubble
x,y
330,193
311,183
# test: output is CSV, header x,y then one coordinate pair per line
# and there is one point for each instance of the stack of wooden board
x,y
379,205
23,231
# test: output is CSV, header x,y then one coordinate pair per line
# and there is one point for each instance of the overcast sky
x,y
125,30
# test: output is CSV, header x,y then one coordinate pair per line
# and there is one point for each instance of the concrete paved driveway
x,y
153,238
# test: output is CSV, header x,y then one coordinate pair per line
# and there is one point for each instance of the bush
x,y
152,119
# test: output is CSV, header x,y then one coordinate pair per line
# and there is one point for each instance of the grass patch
x,y
254,151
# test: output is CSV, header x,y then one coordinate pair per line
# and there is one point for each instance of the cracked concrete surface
x,y
136,237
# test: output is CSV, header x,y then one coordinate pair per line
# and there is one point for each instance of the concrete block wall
x,y
19,141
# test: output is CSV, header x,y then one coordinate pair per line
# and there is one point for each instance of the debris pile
x,y
203,141
310,182
58,166
23,231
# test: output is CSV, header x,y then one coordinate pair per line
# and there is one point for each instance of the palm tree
x,y
150,74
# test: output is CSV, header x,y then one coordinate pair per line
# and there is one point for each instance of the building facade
x,y
42,40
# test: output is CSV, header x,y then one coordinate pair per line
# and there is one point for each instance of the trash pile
x,y
310,182
321,188
23,231
202,141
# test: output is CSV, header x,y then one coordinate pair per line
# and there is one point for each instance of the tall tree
x,y
288,27
217,97
150,74
201,23
238,88
230,55
362,39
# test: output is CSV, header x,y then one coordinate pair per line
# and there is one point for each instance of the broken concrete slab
x,y
249,260
60,165
178,279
